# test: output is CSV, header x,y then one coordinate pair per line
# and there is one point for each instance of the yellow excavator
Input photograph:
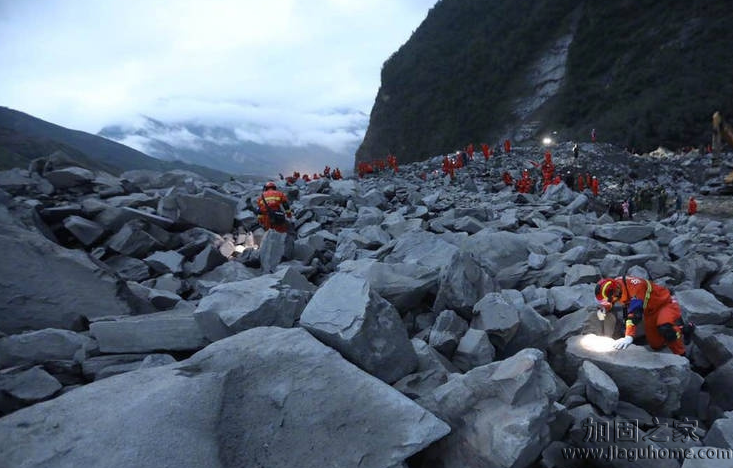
x,y
722,130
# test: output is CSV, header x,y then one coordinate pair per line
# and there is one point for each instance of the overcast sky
x,y
277,66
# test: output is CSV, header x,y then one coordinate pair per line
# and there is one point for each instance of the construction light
x,y
547,141
598,344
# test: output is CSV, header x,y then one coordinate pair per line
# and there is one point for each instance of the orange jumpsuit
x,y
692,207
660,310
276,201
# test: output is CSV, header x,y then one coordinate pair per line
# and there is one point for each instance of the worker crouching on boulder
x,y
641,298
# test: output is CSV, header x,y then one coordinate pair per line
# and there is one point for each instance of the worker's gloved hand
x,y
623,343
601,313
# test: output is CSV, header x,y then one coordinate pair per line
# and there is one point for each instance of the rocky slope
x,y
410,322
641,73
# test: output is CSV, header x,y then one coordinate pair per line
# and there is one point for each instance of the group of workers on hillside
x,y
378,165
326,174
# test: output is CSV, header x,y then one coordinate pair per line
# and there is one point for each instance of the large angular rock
x,y
628,232
291,396
204,261
162,331
715,342
720,434
447,332
571,298
69,177
600,389
43,285
496,316
423,248
579,274
133,240
404,285
228,272
346,314
208,212
722,287
29,386
681,246
276,299
702,308
165,262
128,268
88,232
663,376
499,414
275,245
719,384
473,350
463,282
44,345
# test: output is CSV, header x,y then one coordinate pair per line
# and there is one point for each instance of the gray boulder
x,y
47,286
270,300
162,331
600,389
208,212
44,345
463,282
579,273
423,248
133,240
404,285
348,315
663,376
473,350
165,262
88,232
719,384
275,245
499,414
720,434
497,317
69,177
722,287
702,308
206,260
293,398
29,386
128,268
715,342
628,232
571,298
447,332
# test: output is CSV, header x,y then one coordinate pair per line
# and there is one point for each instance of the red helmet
x,y
270,186
608,290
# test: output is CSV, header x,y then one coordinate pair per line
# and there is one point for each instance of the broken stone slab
x,y
98,367
47,286
29,386
572,298
210,213
348,315
423,248
246,381
702,308
578,274
663,376
162,331
165,262
447,332
720,434
715,342
719,383
147,300
420,384
628,232
462,283
404,285
206,260
681,246
500,414
722,287
533,330
497,317
614,265
128,268
274,247
275,299
228,272
50,344
69,177
600,389
86,231
697,269
473,350
132,240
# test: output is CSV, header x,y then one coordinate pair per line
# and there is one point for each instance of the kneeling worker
x,y
663,323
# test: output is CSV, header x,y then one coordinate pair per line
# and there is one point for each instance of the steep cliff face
x,y
642,73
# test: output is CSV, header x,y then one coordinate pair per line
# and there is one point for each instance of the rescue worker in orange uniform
x,y
692,206
485,151
336,174
274,209
507,146
507,178
642,298
594,185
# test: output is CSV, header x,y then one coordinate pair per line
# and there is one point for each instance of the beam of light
x,y
598,344
547,141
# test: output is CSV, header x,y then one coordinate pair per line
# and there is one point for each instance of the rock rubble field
x,y
408,321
